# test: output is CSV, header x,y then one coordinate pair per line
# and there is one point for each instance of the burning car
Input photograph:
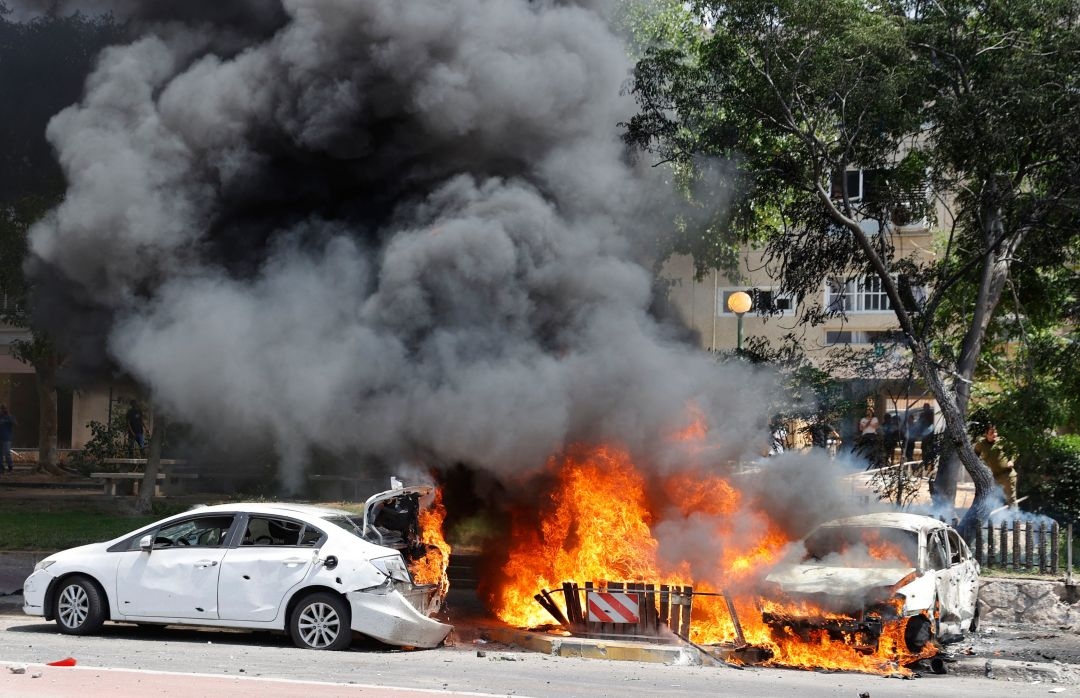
x,y
311,572
904,577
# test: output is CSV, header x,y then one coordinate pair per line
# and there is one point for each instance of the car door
x,y
178,576
938,557
274,555
964,573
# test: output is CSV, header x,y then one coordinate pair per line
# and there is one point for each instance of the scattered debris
x,y
18,669
66,661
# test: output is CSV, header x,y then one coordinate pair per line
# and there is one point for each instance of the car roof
x,y
270,508
893,519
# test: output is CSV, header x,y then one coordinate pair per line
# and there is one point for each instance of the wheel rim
x,y
319,625
74,606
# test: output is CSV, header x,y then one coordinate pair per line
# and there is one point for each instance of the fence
x,y
1019,546
637,610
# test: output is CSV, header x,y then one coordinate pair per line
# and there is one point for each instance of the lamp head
x,y
739,302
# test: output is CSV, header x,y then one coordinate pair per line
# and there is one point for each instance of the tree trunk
x,y
994,274
956,429
144,503
45,370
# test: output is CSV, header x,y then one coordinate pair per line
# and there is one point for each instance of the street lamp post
x,y
739,303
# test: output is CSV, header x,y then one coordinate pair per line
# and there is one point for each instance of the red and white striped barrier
x,y
612,607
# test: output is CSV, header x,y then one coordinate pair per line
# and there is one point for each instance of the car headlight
x,y
44,564
394,567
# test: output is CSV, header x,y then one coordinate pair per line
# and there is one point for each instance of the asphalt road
x,y
128,660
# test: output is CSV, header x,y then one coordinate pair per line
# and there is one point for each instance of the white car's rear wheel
x,y
321,622
79,606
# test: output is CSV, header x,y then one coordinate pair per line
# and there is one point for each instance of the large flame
x,y
431,568
598,526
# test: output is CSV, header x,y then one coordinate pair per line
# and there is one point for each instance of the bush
x,y
103,443
1049,475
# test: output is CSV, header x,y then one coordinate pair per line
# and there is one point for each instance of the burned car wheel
x,y
79,606
919,632
321,622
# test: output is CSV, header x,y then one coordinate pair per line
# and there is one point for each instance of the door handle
x,y
294,561
206,563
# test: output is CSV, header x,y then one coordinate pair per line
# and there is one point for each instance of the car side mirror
x,y
146,543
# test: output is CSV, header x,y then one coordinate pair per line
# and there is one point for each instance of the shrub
x,y
1049,475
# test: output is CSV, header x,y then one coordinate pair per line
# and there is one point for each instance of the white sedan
x,y
862,573
301,569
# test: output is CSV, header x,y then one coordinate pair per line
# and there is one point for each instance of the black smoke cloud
x,y
394,229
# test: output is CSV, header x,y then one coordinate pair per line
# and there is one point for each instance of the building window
x,y
860,337
857,296
861,184
766,300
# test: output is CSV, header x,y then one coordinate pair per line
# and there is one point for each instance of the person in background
x,y
989,447
911,435
7,429
869,443
928,438
136,429
890,435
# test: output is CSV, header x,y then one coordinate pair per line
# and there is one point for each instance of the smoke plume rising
x,y
392,231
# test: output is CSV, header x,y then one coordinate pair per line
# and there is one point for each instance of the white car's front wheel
x,y
79,606
321,622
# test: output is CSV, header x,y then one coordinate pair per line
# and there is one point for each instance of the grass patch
x,y
52,525
50,531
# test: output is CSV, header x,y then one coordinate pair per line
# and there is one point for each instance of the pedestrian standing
x,y
136,429
928,438
990,448
7,429
869,443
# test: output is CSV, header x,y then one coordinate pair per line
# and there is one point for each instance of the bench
x,y
132,481
136,462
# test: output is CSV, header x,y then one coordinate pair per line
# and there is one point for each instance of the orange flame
x,y
599,526
431,568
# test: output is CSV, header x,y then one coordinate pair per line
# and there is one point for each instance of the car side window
x,y
937,551
267,530
199,532
956,548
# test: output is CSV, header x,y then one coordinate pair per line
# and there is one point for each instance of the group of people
x,y
878,439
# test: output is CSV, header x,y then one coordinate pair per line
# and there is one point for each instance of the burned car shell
x,y
941,586
297,568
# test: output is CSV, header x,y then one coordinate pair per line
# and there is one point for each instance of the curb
x,y
621,650
618,650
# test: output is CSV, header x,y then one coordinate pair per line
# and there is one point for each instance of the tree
x,y
43,64
971,102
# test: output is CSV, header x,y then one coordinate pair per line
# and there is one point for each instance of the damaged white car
x,y
308,571
858,575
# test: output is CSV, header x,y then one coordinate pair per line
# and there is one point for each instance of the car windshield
x,y
838,546
342,521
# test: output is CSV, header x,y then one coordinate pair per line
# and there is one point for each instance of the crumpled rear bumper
x,y
386,615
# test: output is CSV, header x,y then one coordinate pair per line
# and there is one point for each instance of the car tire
x,y
321,622
917,633
79,606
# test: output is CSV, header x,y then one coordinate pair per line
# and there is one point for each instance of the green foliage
x,y
104,442
1049,476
